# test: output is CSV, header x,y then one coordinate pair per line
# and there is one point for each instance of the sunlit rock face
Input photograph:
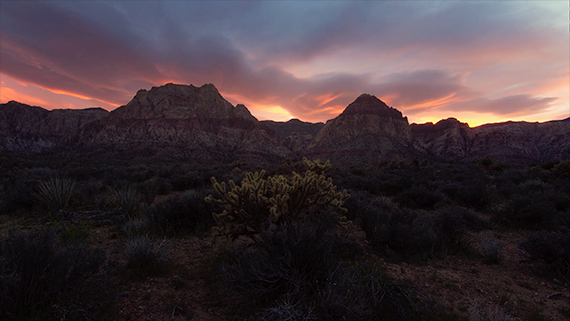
x,y
186,122
28,129
367,130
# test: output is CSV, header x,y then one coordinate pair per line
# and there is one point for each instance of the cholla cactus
x,y
257,201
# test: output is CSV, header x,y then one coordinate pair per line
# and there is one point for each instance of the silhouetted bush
x,y
42,280
303,271
181,214
552,249
532,210
406,234
293,260
420,197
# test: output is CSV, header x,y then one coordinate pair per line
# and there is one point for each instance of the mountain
x,y
366,130
295,135
25,128
180,122
510,142
184,122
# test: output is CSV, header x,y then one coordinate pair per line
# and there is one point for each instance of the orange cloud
x,y
7,94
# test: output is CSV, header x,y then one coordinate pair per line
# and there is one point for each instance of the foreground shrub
x,y
42,280
146,257
181,214
364,292
491,250
305,272
56,193
128,201
249,207
294,260
552,249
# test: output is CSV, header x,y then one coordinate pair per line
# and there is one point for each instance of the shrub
x,y
479,313
408,234
303,271
491,250
145,256
129,201
247,208
552,249
42,280
364,292
181,214
420,197
56,192
290,259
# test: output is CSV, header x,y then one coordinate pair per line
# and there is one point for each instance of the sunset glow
x,y
300,59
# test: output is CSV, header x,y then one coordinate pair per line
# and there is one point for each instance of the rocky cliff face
x,y
367,130
447,139
187,122
25,128
295,134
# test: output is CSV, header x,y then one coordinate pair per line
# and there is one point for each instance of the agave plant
x,y
56,192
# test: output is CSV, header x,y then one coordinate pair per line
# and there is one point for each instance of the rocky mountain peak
x,y
367,104
174,101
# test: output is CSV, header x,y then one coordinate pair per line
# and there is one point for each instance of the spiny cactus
x,y
258,201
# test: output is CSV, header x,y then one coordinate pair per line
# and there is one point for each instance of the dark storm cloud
x,y
109,50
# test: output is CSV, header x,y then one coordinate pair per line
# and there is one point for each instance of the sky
x,y
478,61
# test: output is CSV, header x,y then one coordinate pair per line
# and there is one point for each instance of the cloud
x,y
514,105
305,59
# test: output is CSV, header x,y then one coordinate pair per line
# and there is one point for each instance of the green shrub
x,y
40,279
56,192
257,201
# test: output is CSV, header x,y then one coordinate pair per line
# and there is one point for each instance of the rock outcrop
x,y
184,122
447,140
295,135
366,130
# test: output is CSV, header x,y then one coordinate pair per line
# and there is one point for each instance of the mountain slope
x,y
366,130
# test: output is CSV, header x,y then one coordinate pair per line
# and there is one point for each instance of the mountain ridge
x,y
197,123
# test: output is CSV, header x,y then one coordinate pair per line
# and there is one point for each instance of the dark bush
x,y
292,260
42,280
408,234
181,214
533,210
363,292
420,197
552,249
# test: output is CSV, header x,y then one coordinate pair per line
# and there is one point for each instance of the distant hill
x,y
183,122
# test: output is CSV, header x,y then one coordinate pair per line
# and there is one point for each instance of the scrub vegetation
x,y
307,240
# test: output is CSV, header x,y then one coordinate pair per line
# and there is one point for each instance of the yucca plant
x,y
56,192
